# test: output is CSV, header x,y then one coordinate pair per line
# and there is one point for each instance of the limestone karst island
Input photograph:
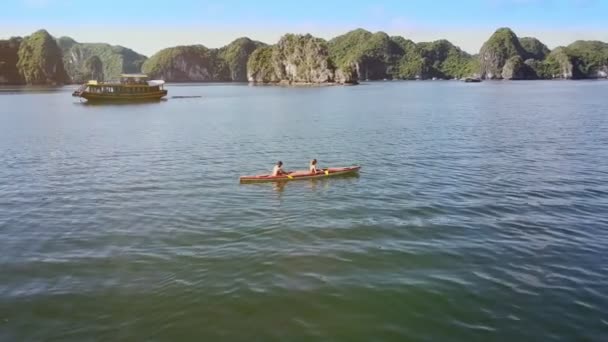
x,y
41,59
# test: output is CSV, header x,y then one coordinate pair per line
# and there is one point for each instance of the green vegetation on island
x,y
197,63
444,60
40,60
496,51
93,69
589,59
502,55
236,55
372,55
377,56
355,55
9,57
192,63
260,67
115,60
534,48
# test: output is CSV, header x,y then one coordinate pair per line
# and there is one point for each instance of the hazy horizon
x,y
466,23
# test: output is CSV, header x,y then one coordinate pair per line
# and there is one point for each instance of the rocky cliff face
x,y
40,60
303,59
93,69
236,55
516,69
9,49
495,52
115,60
297,59
260,66
194,63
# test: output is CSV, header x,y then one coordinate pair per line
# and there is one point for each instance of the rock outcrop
x,y
196,63
193,63
589,59
260,66
9,57
373,55
442,59
297,59
303,59
534,48
40,60
516,69
93,69
411,65
236,55
358,54
495,52
377,56
115,60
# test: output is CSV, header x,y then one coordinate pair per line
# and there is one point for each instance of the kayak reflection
x,y
312,184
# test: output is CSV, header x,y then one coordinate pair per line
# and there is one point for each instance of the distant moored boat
x,y
131,87
472,80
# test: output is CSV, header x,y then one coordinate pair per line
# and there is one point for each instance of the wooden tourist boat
x,y
131,87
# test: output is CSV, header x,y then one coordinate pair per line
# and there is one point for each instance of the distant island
x,y
41,59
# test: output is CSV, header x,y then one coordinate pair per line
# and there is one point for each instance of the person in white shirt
x,y
312,168
277,170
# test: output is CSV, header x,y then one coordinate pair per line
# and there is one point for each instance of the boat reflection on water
x,y
120,103
312,184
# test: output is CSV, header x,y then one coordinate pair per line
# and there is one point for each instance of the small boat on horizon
x,y
130,87
302,175
472,80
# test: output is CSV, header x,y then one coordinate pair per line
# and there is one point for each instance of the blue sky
x,y
148,26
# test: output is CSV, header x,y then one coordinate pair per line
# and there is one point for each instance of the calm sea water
x,y
481,213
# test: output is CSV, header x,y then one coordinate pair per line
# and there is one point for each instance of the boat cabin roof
x,y
134,76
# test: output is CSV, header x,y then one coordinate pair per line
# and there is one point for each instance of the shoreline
x,y
288,84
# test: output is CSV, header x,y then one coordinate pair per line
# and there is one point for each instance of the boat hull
x,y
96,97
302,175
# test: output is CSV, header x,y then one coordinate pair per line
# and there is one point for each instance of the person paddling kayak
x,y
277,170
312,167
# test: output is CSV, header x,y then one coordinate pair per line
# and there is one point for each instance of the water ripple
x,y
478,217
